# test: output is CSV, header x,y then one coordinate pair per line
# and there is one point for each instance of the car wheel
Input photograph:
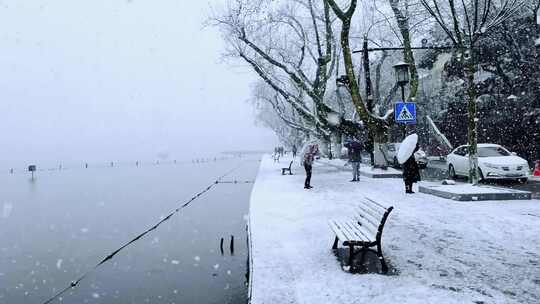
x,y
451,172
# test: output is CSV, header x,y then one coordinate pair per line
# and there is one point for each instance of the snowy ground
x,y
444,251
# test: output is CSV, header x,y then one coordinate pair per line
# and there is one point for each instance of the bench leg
x,y
351,256
384,267
334,247
363,256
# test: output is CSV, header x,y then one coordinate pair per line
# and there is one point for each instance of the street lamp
x,y
402,76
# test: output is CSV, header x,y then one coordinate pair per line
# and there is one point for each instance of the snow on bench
x,y
364,229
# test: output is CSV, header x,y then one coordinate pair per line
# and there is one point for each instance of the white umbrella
x,y
406,148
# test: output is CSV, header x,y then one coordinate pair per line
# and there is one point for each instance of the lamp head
x,y
402,73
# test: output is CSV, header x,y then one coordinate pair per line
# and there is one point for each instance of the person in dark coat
x,y
309,158
354,149
411,173
294,150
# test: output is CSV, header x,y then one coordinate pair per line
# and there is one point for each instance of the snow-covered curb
x,y
468,192
445,251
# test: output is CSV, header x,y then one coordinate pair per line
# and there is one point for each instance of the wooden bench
x,y
283,170
364,229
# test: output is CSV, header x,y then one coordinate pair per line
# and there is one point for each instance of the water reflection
x,y
58,227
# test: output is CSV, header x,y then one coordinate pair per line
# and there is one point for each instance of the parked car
x,y
494,162
420,156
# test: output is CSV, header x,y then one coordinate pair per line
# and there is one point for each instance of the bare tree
x,y
401,10
464,22
262,93
291,47
377,126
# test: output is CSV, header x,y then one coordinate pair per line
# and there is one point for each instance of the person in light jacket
x,y
309,157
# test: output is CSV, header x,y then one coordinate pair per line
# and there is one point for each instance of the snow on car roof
x,y
484,145
489,145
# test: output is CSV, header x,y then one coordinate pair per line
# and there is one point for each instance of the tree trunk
x,y
380,138
336,144
408,57
374,124
471,109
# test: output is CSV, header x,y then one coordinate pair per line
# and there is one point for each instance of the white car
x,y
420,156
494,162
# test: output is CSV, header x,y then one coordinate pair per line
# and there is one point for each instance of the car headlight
x,y
491,166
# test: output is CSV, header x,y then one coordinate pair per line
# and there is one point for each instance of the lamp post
x,y
402,76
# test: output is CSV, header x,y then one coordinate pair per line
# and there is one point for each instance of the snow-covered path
x,y
445,251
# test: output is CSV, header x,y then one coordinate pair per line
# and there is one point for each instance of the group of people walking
x,y
411,172
279,151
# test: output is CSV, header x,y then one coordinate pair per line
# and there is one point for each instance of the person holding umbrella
x,y
405,156
309,158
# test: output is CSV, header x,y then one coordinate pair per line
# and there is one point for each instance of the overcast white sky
x,y
118,80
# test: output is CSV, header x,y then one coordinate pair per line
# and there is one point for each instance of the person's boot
x,y
408,189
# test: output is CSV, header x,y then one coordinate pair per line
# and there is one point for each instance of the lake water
x,y
60,225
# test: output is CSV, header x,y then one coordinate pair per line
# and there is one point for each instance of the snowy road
x,y
444,251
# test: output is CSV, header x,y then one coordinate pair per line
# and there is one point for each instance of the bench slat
x,y
368,218
347,231
376,204
372,236
337,230
366,224
360,236
375,213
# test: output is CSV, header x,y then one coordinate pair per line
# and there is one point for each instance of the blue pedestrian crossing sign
x,y
405,112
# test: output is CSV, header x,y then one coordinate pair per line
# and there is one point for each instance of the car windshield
x,y
492,152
